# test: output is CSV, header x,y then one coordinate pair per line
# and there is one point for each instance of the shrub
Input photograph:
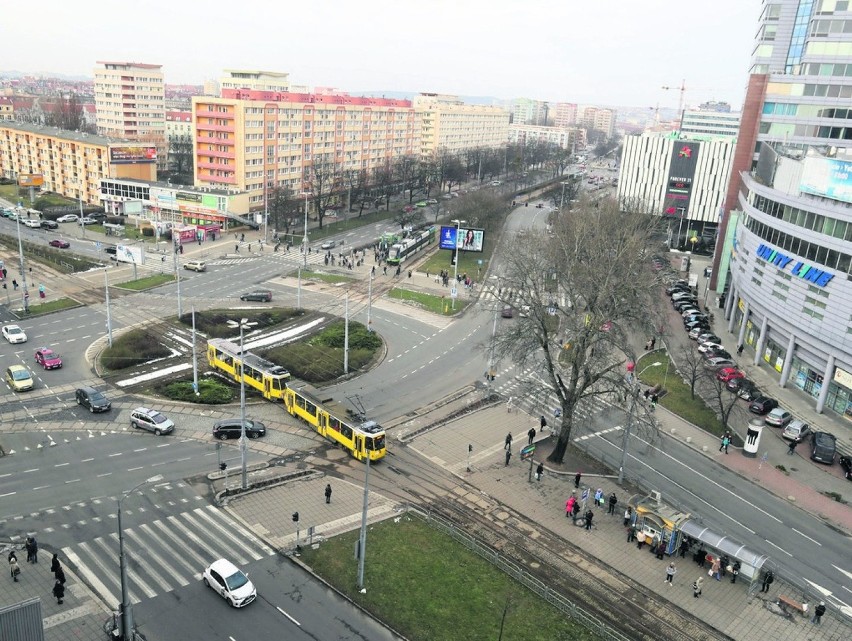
x,y
214,323
148,231
210,392
131,349
359,337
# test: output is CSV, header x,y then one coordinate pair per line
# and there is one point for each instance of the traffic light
x,y
295,517
223,466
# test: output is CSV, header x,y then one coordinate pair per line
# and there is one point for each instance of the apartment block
x,y
178,123
254,80
565,114
600,119
448,124
701,122
563,137
72,164
526,111
7,109
246,138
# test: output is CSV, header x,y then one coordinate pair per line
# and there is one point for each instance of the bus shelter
x,y
658,520
750,561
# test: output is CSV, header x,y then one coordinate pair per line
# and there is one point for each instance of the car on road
x,y
14,334
263,295
329,244
49,224
778,417
19,378
88,220
143,418
823,447
508,312
67,218
762,405
47,358
421,203
727,373
60,243
230,428
229,582
432,201
92,399
846,466
796,431
195,265
32,223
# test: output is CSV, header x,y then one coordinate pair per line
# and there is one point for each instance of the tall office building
x,y
130,103
709,122
786,270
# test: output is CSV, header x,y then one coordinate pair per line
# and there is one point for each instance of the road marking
x,y
87,460
133,469
104,474
842,571
115,454
288,616
61,464
41,487
7,494
72,481
93,580
806,536
778,547
141,449
35,469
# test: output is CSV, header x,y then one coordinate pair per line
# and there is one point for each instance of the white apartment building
x,y
563,137
178,123
710,123
565,114
600,119
449,124
254,80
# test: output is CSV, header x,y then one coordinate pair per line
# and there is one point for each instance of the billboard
x,y
466,240
133,207
681,175
129,254
828,177
129,155
30,180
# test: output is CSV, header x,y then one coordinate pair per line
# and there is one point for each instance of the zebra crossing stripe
x,y
241,543
202,563
216,547
176,559
135,580
140,545
90,577
260,545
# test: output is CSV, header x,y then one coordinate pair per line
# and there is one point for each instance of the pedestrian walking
x,y
539,471
628,513
59,592
818,612
577,480
328,493
735,571
613,499
740,348
661,549
696,587
670,572
726,441
508,444
508,456
589,516
715,568
59,575
599,497
792,447
54,563
237,248
14,568
654,399
768,579
543,423
569,506
640,539
530,436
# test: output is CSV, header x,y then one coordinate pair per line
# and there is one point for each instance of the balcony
x,y
225,180
214,165
205,127
217,154
206,113
214,141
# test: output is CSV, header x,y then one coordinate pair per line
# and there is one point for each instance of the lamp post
x,y
106,300
243,325
126,611
305,238
634,392
26,292
456,262
82,185
562,198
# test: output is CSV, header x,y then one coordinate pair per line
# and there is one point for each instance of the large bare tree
x,y
584,290
181,157
325,182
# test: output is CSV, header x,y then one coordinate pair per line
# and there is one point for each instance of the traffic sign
x,y
585,495
454,292
527,452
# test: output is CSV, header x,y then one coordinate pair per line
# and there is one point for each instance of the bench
x,y
786,602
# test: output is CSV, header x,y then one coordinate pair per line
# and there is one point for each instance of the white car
x,y
230,583
85,220
709,346
32,223
67,218
14,334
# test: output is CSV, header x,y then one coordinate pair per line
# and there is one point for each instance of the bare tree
x,y
283,205
413,216
325,181
406,174
721,400
67,114
383,183
181,156
482,209
690,366
584,290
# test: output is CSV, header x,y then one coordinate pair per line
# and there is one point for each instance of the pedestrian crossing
x,y
164,554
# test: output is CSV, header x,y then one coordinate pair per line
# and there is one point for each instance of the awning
x,y
723,544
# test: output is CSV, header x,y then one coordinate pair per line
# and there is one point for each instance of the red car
x,y
728,373
58,242
47,358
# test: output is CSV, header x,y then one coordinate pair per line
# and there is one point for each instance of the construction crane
x,y
682,90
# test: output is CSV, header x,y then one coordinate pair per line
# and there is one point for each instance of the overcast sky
x,y
616,52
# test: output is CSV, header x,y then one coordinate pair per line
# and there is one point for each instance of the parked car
x,y
151,420
329,244
19,378
49,224
230,428
846,465
682,305
699,324
709,346
32,223
718,353
47,358
698,314
727,373
432,201
796,431
58,242
708,336
696,332
67,218
263,295
823,447
421,203
88,220
677,286
14,334
762,405
778,417
92,399
229,582
719,363
195,265
508,312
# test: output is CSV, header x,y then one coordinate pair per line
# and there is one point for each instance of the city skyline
x,y
473,48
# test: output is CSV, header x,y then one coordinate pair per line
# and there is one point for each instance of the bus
x,y
362,439
265,376
403,250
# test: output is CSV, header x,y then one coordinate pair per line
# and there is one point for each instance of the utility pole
x,y
370,302
491,358
177,275
109,319
346,335
194,357
362,540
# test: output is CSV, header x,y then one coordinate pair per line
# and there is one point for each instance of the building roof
x,y
138,65
156,183
179,116
282,96
65,134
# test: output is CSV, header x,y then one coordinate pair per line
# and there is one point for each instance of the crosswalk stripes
x,y
163,554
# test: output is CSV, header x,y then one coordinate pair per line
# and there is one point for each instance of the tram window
x,y
276,384
300,402
377,443
311,408
226,359
333,423
345,430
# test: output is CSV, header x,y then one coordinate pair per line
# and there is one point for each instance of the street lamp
x,y
126,611
243,325
26,292
456,262
305,238
562,198
634,392
82,186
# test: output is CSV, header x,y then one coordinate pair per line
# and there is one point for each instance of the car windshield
x,y
158,418
20,375
50,356
96,396
14,330
236,580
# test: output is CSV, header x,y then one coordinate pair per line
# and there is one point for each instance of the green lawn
x,y
431,588
38,309
148,282
430,302
678,399
326,278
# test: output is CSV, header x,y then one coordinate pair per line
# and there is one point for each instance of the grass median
x,y
57,305
436,304
431,588
148,282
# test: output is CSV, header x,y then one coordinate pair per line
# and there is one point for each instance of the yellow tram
x,y
265,376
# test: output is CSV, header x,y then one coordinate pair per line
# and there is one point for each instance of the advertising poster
x,y
462,238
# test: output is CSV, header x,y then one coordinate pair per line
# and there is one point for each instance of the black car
x,y
92,399
762,405
49,224
846,464
230,428
823,447
698,323
718,353
263,295
683,304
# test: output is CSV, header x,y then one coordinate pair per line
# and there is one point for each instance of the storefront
x,y
839,397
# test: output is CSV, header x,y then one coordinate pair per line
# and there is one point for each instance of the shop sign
x,y
800,269
842,377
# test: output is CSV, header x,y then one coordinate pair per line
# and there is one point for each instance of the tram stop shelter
x,y
656,519
751,562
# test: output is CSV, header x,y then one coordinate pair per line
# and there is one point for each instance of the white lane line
x,y
93,580
72,481
778,548
104,474
806,536
288,616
